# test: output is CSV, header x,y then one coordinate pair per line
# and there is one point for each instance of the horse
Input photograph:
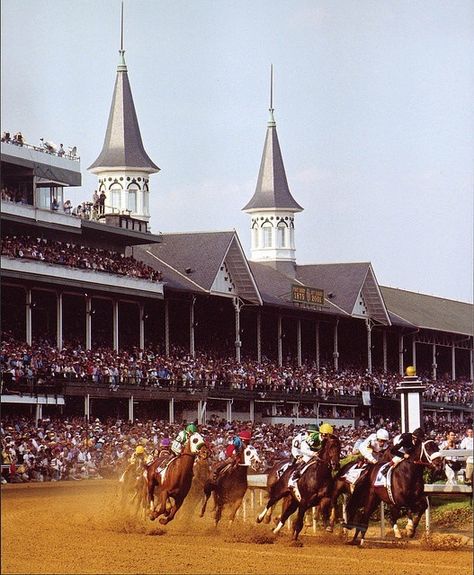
x,y
314,487
402,488
231,485
173,482
277,482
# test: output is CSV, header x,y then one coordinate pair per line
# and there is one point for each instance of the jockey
x,y
182,437
375,443
402,447
164,447
306,445
233,452
136,462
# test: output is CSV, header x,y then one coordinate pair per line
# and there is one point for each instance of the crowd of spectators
x,y
54,449
76,256
151,368
11,194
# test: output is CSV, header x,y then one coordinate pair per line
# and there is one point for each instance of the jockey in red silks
x,y
233,452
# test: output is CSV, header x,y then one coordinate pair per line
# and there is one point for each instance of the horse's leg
x,y
338,488
419,509
206,499
267,512
289,507
369,508
168,515
218,510
299,522
234,508
394,517
325,508
161,507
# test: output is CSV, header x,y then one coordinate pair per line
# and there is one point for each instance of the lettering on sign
x,y
307,295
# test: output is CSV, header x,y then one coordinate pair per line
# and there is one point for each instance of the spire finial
x,y
122,66
271,121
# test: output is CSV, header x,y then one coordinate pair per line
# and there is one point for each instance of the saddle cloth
x,y
282,469
382,480
353,473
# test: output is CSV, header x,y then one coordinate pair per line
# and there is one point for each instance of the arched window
x,y
146,202
255,235
132,193
282,235
115,194
267,235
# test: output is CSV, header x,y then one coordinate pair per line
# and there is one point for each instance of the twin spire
x,y
123,146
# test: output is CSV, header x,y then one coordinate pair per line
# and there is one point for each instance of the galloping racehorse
x,y
277,485
231,485
403,487
314,487
174,481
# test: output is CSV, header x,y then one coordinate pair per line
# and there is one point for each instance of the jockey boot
x,y
386,469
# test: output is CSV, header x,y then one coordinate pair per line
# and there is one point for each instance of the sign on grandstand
x,y
307,295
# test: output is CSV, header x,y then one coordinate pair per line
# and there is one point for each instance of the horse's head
x,y
195,443
204,452
251,457
331,451
429,454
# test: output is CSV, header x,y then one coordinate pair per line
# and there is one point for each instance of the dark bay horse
x,y
314,487
405,489
277,484
231,485
173,482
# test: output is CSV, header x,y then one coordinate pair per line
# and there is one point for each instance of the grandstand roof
x,y
123,146
430,312
272,189
195,262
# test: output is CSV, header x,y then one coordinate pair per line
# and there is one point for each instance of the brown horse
x,y
314,487
231,485
403,488
173,482
277,483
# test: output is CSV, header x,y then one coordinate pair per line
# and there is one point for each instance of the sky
x,y
374,104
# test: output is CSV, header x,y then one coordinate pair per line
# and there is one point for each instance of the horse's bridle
x,y
424,453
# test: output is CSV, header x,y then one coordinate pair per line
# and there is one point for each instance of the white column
x,y
116,325
238,342
191,326
130,409
384,344
171,410
316,335
252,410
167,328
401,363
298,343
88,322
369,345
39,413
259,336
59,320
202,406
280,342
229,409
87,406
453,362
142,325
336,346
434,365
471,362
28,312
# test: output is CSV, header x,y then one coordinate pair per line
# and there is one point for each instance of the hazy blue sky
x,y
373,102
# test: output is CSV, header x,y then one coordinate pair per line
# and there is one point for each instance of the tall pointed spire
x,y
123,146
123,166
272,207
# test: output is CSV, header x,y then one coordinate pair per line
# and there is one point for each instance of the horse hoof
x,y
329,529
164,520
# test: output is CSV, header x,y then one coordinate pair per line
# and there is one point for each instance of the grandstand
x,y
101,317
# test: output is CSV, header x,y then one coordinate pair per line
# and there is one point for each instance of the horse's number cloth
x,y
381,479
353,474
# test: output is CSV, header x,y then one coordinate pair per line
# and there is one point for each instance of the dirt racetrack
x,y
77,527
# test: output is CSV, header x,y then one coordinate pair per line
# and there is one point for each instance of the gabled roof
x,y
272,189
123,146
344,284
193,261
430,312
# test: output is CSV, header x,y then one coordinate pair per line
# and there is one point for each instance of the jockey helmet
x,y
139,449
245,435
311,428
382,435
419,433
191,428
237,442
326,428
165,442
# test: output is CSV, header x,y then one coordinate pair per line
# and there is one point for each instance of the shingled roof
x,y
123,146
196,261
430,312
272,189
